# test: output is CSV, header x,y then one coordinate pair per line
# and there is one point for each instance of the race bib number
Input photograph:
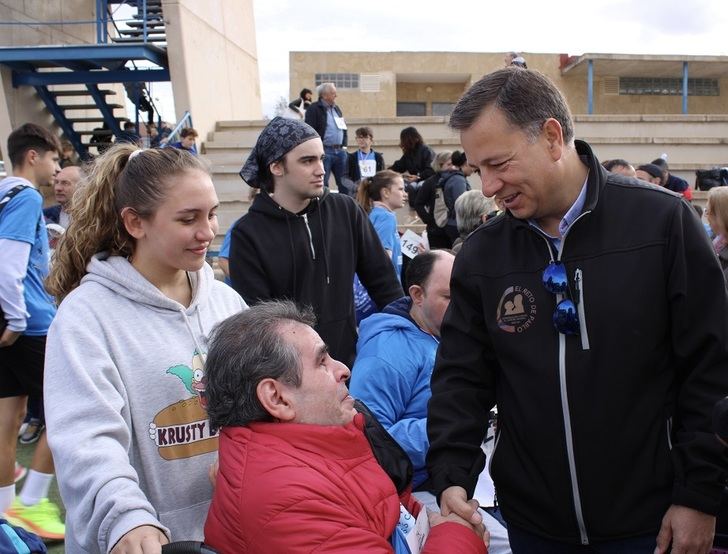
x,y
417,536
409,243
367,168
340,123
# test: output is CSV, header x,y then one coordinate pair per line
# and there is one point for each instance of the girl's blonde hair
x,y
124,176
718,208
371,189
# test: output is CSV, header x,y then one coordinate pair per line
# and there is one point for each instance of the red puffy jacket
x,y
294,488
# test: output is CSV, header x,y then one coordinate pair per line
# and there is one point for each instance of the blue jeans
x,y
335,160
526,543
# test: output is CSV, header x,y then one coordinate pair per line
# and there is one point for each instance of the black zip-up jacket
x,y
316,118
311,257
599,432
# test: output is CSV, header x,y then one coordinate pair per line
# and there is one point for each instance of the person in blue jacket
x,y
396,354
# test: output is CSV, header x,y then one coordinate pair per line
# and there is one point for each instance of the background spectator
x,y
717,214
471,210
188,136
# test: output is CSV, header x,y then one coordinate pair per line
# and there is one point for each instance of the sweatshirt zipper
x,y
310,237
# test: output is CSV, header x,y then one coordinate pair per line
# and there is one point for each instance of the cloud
x,y
566,26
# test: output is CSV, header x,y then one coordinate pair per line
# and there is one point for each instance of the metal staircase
x,y
67,78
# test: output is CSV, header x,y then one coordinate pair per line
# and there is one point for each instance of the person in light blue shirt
x,y
328,121
27,312
380,196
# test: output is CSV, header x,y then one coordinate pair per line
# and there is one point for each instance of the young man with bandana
x,y
302,243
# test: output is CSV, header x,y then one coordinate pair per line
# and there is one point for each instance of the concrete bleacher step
x,y
702,143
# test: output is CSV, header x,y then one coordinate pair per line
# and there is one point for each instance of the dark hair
x,y
659,162
609,165
651,169
304,92
420,267
129,125
370,189
245,349
123,176
188,131
410,139
30,137
364,132
459,159
526,98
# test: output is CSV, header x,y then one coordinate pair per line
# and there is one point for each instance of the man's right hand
x,y
8,337
146,539
454,500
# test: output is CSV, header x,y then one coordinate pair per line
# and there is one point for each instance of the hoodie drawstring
x,y
323,239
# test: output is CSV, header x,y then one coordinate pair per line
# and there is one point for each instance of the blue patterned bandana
x,y
278,138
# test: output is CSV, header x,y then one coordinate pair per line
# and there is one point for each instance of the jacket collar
x,y
330,441
595,183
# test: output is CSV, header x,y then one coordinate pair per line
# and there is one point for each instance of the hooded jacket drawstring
x,y
323,238
293,247
201,352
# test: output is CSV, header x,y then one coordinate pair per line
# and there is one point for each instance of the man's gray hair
x,y
323,87
245,349
469,210
526,98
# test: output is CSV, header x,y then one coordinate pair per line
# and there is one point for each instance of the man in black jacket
x,y
301,243
326,118
594,314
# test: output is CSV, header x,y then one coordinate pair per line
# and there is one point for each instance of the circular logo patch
x,y
516,310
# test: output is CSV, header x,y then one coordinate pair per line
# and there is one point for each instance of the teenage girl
x,y
380,196
124,363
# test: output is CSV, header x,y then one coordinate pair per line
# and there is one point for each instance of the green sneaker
x,y
43,519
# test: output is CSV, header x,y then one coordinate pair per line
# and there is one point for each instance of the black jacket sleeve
x,y
352,167
427,156
247,275
379,160
699,316
463,385
423,201
316,118
374,266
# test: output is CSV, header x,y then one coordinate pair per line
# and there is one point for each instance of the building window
x,y
668,86
405,109
442,108
340,80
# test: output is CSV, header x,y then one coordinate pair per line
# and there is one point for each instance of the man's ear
x,y
133,223
276,168
417,293
31,157
273,396
554,135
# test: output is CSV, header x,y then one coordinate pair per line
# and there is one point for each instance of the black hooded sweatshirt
x,y
311,257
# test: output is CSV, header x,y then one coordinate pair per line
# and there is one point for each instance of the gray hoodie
x,y
131,443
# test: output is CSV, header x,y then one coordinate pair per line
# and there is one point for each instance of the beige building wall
x,y
407,76
213,60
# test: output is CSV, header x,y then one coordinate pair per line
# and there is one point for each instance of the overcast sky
x,y
566,27
569,26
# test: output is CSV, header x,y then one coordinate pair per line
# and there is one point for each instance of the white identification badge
x,y
418,535
367,168
340,124
409,243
